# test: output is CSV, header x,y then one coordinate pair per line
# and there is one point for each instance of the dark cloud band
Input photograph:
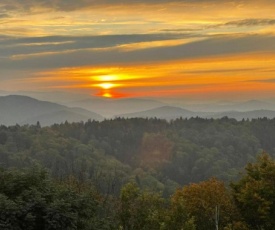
x,y
70,5
31,45
251,22
215,46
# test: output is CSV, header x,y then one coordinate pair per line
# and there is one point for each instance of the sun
x,y
106,78
107,89
111,94
108,95
106,84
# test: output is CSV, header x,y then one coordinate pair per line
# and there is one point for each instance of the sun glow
x,y
225,76
107,85
107,78
108,95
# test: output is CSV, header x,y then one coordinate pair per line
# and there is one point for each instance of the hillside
x,y
15,109
26,110
222,106
164,112
137,162
114,107
171,112
245,115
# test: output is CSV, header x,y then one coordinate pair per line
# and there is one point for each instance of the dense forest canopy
x,y
137,163
153,152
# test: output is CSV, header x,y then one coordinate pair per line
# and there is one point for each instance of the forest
x,y
128,174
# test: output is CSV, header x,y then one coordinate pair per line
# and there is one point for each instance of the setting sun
x,y
108,95
107,78
107,85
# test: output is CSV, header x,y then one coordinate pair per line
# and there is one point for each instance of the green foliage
x,y
201,201
255,193
109,152
159,156
179,217
140,210
30,200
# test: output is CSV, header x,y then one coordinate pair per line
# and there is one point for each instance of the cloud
x,y
58,5
238,23
3,15
104,39
179,30
56,17
237,70
251,22
271,80
215,46
71,5
10,46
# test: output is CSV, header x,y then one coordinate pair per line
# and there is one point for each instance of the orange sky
x,y
183,49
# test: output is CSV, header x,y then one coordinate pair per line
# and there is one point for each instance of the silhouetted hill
x,y
253,105
245,115
232,106
26,110
164,112
113,107
171,112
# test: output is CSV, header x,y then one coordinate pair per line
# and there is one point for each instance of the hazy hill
x,y
245,115
25,110
164,112
112,107
16,109
232,106
53,96
171,112
253,105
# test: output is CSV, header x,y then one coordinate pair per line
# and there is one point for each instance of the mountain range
x,y
17,109
164,112
21,110
232,106
113,107
171,112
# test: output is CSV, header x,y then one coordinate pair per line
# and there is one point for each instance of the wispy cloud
x,y
51,17
38,46
38,6
215,46
69,5
270,80
3,15
249,22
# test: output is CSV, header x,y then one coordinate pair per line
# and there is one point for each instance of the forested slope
x,y
136,174
155,153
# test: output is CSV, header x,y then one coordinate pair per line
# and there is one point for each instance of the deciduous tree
x,y
254,193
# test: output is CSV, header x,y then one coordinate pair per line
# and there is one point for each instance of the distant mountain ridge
x,y
172,112
232,106
21,110
114,107
254,114
164,112
16,109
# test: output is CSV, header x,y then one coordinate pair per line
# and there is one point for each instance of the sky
x,y
184,49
